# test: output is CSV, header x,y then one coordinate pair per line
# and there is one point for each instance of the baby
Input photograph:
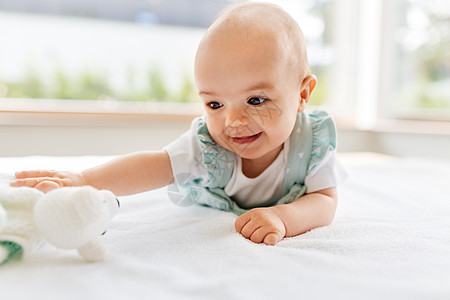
x,y
256,151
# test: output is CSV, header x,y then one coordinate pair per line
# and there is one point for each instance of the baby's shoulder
x,y
323,127
323,137
322,121
314,128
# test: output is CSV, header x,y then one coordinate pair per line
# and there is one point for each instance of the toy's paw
x,y
92,251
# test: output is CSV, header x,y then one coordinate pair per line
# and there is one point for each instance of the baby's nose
x,y
236,118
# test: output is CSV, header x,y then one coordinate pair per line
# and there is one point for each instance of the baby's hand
x,y
45,181
261,225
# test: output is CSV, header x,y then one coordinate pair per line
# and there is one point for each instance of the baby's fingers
x,y
273,238
46,186
241,221
31,182
35,173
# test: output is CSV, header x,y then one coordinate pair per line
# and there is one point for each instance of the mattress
x,y
390,240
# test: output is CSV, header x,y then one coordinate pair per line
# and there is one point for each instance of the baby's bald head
x,y
259,27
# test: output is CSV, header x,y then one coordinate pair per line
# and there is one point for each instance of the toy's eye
x,y
118,202
104,232
214,105
255,101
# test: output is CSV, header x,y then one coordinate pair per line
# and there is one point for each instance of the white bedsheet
x,y
390,240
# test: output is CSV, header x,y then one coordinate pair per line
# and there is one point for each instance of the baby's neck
x,y
254,167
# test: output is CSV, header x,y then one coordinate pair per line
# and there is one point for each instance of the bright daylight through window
x,y
418,53
143,51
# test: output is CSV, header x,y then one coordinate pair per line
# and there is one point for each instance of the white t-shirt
x,y
265,189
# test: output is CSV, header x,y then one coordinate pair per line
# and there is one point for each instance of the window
x,y
373,58
72,49
417,59
98,50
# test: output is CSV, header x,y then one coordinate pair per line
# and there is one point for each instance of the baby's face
x,y
250,98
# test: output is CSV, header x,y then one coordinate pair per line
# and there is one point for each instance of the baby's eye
x,y
256,101
214,105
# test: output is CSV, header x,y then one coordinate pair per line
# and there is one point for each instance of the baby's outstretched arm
x,y
269,225
126,175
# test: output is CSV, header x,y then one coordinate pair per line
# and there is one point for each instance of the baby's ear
x,y
307,87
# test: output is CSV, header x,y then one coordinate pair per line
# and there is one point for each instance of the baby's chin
x,y
257,152
243,151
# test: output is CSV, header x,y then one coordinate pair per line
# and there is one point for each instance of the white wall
x,y
72,134
403,144
110,135
70,140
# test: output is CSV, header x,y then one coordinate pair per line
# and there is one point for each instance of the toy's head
x,y
74,217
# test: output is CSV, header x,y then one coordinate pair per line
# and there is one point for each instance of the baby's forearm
x,y
131,174
308,212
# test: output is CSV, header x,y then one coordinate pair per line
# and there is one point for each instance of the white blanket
x,y
390,240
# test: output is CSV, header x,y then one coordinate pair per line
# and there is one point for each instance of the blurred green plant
x,y
94,85
188,91
156,88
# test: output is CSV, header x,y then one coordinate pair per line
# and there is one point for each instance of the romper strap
x,y
299,152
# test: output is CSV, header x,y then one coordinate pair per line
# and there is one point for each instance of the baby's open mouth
x,y
246,139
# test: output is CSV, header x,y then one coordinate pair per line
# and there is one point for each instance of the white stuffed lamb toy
x,y
68,218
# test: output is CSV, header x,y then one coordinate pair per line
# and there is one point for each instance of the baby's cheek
x,y
46,186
